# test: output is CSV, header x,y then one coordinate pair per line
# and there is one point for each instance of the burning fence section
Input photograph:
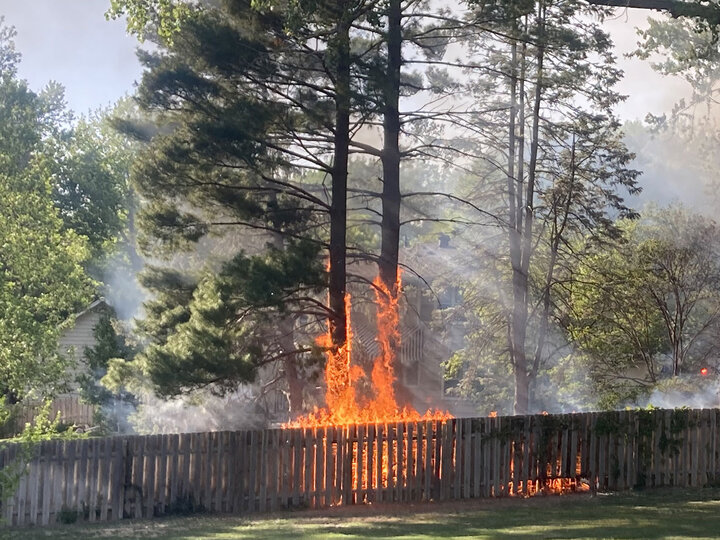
x,y
454,459
244,472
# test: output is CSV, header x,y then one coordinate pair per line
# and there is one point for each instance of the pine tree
x,y
250,109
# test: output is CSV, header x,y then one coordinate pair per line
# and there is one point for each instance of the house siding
x,y
81,335
74,340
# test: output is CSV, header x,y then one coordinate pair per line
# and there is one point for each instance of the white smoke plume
x,y
199,413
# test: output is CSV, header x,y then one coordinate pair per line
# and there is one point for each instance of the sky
x,y
647,90
70,41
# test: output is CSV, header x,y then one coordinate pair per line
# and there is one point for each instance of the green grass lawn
x,y
647,514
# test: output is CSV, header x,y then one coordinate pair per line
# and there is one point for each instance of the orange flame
x,y
344,405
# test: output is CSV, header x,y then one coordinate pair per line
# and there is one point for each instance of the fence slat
x,y
253,469
320,442
284,470
428,468
399,460
297,465
46,479
359,468
271,481
381,458
330,437
244,465
338,494
371,478
476,458
309,463
409,462
348,436
419,460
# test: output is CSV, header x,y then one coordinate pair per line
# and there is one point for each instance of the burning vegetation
x,y
345,402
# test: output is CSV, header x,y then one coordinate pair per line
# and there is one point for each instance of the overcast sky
x,y
71,42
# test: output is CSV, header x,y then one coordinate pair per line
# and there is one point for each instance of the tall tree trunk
x,y
516,335
390,245
338,208
522,369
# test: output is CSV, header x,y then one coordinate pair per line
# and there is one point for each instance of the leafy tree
x,y
42,281
649,309
551,169
91,166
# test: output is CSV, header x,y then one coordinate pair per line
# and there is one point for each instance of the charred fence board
x,y
255,471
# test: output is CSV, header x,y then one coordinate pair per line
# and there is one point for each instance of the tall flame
x,y
344,405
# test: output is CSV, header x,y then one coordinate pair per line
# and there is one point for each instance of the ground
x,y
643,514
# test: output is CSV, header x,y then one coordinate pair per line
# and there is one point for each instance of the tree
x,y
689,51
254,96
110,344
559,167
241,131
649,309
90,167
42,281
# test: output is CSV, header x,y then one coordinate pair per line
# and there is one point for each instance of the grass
x,y
649,514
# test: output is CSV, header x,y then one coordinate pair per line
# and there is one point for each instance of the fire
x,y
344,402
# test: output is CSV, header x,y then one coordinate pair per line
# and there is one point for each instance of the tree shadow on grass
x,y
624,517
656,514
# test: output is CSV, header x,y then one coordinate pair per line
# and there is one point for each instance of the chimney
x,y
444,241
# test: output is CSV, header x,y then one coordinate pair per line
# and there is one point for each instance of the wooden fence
x,y
70,407
257,471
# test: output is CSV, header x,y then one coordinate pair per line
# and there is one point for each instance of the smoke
x,y
122,289
684,391
200,412
646,89
674,170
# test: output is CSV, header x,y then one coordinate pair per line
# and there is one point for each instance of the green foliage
x,y
206,346
145,16
44,427
42,281
68,516
556,172
90,169
648,309
110,345
223,182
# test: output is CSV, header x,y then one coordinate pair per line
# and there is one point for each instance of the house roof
x,y
99,303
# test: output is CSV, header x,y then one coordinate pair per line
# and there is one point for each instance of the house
x,y
72,344
81,335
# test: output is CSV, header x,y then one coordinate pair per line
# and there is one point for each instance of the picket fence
x,y
257,471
